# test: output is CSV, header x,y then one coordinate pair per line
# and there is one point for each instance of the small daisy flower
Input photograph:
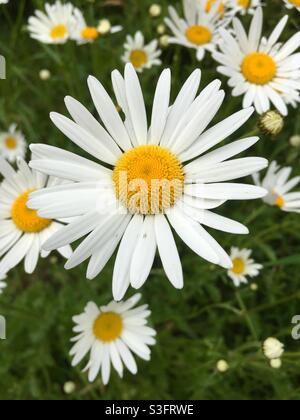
x,y
4,1
23,232
111,334
84,33
199,29
279,186
243,6
262,70
54,26
242,266
12,144
290,4
142,56
3,284
273,348
157,175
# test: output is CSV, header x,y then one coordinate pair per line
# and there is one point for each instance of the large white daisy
x,y
243,266
111,334
22,231
140,55
262,70
3,284
150,184
279,187
199,29
12,144
54,26
290,4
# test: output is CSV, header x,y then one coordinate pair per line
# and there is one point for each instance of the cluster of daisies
x,y
148,176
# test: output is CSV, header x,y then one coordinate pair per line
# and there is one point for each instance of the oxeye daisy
x,y
290,4
84,33
243,6
262,70
12,144
279,186
4,1
140,55
23,232
111,334
54,26
243,266
157,175
199,29
3,284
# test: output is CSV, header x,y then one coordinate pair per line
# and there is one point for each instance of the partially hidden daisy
x,y
22,231
54,25
199,28
279,186
12,144
262,70
243,266
142,56
290,4
111,334
243,6
156,175
3,284
84,33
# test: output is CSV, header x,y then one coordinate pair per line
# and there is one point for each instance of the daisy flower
x,y
54,26
290,4
84,33
2,283
148,183
279,187
243,6
199,29
12,144
242,266
23,232
141,56
111,334
4,1
262,70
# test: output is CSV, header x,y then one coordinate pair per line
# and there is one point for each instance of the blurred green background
x,y
210,319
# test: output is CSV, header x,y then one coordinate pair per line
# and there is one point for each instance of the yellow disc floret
x,y
199,34
11,143
148,179
295,2
108,327
211,3
259,68
239,266
244,3
25,219
280,202
89,33
58,32
138,58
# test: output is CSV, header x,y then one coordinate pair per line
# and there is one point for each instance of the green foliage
x,y
209,320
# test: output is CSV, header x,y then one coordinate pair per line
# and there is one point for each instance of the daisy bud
x,y
104,27
276,363
69,387
164,41
295,141
161,29
271,123
254,287
222,366
45,74
273,348
155,10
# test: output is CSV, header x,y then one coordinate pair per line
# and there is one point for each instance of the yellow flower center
x,y
210,4
244,3
58,31
108,326
259,68
295,2
148,179
199,35
11,143
138,58
26,219
89,33
280,202
238,266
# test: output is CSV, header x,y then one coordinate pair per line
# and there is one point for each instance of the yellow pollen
x,y
11,143
199,35
26,219
238,266
138,58
295,2
280,202
58,31
148,179
108,326
244,3
89,33
210,4
259,68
